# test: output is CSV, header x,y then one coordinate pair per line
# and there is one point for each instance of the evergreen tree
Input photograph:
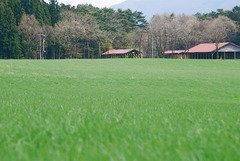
x,y
46,14
113,26
140,20
236,14
17,9
26,5
54,11
37,11
9,35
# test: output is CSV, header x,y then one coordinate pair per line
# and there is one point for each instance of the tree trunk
x,y
217,55
88,48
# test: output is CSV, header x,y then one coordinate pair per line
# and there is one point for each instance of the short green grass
x,y
119,109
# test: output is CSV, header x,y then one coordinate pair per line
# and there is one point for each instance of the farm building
x,y
122,53
176,54
225,50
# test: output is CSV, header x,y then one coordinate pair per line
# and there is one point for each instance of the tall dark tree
x,y
236,14
140,20
127,19
40,11
17,9
54,11
9,35
39,8
26,5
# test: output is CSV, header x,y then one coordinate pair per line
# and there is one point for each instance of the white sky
x,y
96,3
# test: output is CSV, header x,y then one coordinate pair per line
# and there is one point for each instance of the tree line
x,y
34,29
181,32
18,40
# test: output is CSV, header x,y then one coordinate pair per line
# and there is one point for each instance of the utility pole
x,y
99,46
152,44
41,45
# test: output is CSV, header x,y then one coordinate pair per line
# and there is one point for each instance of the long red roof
x,y
174,51
207,47
119,51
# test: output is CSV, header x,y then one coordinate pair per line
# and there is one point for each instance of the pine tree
x,y
38,8
17,9
45,14
9,35
37,11
139,19
54,11
26,5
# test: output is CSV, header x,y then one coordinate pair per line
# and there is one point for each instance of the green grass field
x,y
119,109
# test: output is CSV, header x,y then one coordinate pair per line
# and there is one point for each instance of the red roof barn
x,y
122,53
224,50
176,54
207,47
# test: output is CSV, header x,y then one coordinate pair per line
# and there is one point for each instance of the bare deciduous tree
x,y
75,27
30,28
218,30
188,30
164,30
136,38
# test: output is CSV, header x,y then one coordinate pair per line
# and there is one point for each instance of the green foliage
x,y
233,14
128,109
45,13
41,12
17,9
110,20
10,16
9,35
54,10
111,28
111,25
140,20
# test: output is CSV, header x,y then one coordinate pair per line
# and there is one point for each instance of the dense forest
x,y
35,29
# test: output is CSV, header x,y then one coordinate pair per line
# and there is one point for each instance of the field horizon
x,y
120,109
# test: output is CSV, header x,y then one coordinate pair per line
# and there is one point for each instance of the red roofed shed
x,y
224,50
122,53
207,47
176,54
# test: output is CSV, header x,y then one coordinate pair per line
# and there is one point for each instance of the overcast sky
x,y
97,3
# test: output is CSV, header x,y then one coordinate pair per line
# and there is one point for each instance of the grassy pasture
x,y
119,109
